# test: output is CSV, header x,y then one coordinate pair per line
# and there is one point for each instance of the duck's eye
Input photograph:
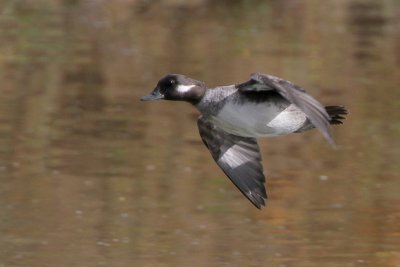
x,y
171,82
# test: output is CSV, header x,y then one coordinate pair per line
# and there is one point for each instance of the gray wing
x,y
239,158
296,95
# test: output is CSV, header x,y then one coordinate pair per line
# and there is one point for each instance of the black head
x,y
177,87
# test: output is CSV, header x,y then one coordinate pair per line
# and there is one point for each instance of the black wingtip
x,y
257,198
260,205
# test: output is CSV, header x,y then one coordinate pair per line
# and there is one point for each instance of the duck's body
x,y
234,116
265,115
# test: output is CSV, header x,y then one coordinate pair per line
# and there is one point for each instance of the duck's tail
x,y
336,113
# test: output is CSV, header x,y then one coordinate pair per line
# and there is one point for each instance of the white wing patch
x,y
232,158
184,88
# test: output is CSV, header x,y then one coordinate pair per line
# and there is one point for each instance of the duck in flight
x,y
234,116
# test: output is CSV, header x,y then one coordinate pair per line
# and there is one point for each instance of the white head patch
x,y
184,88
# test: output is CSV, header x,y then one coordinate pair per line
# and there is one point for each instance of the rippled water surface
x,y
91,176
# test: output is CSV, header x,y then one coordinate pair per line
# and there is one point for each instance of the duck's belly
x,y
259,120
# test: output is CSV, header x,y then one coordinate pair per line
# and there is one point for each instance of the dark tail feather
x,y
336,114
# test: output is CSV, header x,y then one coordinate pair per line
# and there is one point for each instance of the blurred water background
x,y
91,176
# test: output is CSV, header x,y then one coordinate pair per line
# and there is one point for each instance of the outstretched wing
x,y
296,95
239,158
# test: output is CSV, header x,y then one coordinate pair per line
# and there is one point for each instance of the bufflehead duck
x,y
233,116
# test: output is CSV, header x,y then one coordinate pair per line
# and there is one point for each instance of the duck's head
x,y
177,87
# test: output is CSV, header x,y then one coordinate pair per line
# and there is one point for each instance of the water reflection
x,y
366,21
91,177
